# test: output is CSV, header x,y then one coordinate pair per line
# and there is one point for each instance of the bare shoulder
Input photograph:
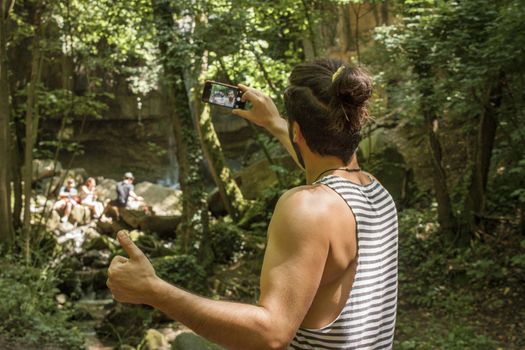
x,y
309,197
306,208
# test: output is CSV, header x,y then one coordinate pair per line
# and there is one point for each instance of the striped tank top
x,y
368,318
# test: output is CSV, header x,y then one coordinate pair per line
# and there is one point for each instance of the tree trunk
x,y
475,203
385,12
446,217
357,13
375,11
344,30
6,220
16,177
255,131
31,129
189,155
229,191
309,42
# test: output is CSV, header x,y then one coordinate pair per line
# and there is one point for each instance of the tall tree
x,y
194,77
31,123
6,222
229,191
466,96
189,155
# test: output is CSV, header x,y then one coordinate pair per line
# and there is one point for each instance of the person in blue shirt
x,y
68,198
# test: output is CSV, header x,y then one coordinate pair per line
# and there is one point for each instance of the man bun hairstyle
x,y
328,98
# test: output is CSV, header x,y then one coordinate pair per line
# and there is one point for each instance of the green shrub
x,y
438,335
125,324
226,240
28,309
183,271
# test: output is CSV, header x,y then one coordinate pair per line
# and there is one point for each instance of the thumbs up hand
x,y
131,280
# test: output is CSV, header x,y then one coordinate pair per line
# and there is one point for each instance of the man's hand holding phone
x,y
263,112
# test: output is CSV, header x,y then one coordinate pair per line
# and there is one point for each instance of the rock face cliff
x,y
136,135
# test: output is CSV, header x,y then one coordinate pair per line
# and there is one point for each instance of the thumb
x,y
127,244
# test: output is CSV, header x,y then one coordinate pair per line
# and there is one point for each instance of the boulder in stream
x,y
154,340
80,214
188,340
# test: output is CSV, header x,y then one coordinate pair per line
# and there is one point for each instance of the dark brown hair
x,y
328,99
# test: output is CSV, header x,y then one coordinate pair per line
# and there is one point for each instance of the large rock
x,y
191,341
43,168
132,217
53,222
102,243
105,227
154,340
165,201
106,189
50,185
80,214
164,226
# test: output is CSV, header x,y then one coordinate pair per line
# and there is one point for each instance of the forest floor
x,y
464,299
483,319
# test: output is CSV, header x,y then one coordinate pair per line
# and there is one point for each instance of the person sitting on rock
x,y
88,198
68,198
126,196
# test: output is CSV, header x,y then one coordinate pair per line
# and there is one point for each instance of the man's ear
x,y
297,133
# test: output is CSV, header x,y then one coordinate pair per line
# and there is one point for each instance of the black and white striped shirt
x,y
367,320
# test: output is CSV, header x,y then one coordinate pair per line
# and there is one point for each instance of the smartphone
x,y
221,94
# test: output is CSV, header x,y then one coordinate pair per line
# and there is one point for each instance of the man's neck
x,y
319,165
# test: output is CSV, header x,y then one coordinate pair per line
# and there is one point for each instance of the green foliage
x,y
183,271
444,286
440,336
226,240
29,311
126,324
518,260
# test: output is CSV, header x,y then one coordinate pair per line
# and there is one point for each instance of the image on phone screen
x,y
222,95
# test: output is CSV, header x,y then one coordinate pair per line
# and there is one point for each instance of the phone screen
x,y
222,95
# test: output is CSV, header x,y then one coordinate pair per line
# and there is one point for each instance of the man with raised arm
x,y
329,275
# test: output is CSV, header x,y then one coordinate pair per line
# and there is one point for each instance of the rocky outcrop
x,y
163,200
154,340
192,341
44,168
106,189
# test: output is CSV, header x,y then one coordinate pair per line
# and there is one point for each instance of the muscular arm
x,y
292,270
